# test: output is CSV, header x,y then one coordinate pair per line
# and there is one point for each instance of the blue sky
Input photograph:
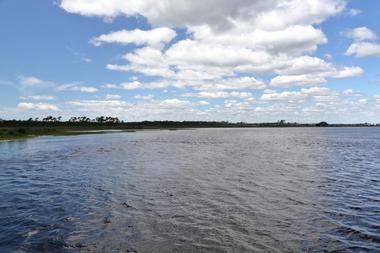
x,y
253,61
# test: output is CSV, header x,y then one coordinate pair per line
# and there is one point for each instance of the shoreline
x,y
8,134
55,132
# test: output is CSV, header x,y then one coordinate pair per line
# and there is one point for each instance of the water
x,y
205,190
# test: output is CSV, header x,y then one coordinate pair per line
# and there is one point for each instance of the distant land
x,y
16,129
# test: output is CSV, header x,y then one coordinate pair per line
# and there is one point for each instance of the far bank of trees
x,y
116,123
100,119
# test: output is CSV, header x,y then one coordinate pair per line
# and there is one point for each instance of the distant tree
x,y
84,119
322,124
51,119
100,119
48,119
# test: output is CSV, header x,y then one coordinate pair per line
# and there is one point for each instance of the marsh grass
x,y
14,133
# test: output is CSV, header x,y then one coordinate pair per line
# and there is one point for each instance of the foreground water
x,y
205,190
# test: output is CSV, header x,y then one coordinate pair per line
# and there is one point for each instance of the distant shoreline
x,y
14,129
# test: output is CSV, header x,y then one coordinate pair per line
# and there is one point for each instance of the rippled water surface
x,y
205,190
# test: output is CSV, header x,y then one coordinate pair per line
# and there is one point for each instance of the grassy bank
x,y
15,133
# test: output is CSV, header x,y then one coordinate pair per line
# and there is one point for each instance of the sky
x,y
242,60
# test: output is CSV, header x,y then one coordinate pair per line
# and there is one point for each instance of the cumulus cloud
x,y
363,45
38,106
288,39
351,93
100,105
219,94
286,95
173,103
124,86
317,76
30,81
155,37
360,34
76,87
363,49
87,60
170,12
244,82
316,93
112,97
354,12
296,80
218,13
144,97
38,97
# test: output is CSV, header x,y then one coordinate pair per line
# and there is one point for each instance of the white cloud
x,y
38,97
170,12
354,12
294,39
244,82
38,106
317,74
87,60
303,65
286,95
105,106
317,93
112,97
124,86
351,93
219,94
360,34
300,12
363,49
195,53
297,80
34,82
144,97
347,72
219,13
377,100
76,87
30,81
154,38
173,103
203,102
148,61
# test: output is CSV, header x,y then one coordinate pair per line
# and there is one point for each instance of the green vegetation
x,y
16,129
13,133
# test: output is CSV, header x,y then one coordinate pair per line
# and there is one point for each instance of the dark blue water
x,y
210,190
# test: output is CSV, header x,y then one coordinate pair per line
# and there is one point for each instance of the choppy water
x,y
210,190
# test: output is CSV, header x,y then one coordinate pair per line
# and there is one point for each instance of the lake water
x,y
204,190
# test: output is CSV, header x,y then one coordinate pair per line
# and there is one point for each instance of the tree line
x,y
114,122
100,119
